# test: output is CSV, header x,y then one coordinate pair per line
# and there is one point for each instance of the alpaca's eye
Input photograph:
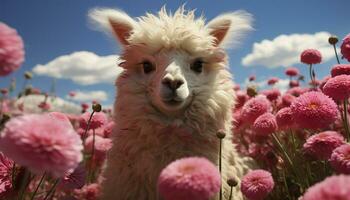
x,y
147,67
197,66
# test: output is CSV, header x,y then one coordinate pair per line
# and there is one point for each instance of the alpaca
x,y
173,96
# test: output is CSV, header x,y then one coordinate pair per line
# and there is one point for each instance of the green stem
x,y
346,122
220,167
92,157
336,54
230,193
23,186
13,172
52,189
37,187
286,185
88,126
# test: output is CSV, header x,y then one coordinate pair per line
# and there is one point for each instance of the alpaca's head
x,y
171,59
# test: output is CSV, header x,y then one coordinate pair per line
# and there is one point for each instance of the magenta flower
x,y
72,93
314,110
252,78
241,98
284,119
324,81
311,56
287,99
43,143
345,47
340,159
296,91
255,107
338,87
44,105
340,69
191,178
5,174
257,184
108,129
321,145
294,83
73,180
271,94
332,188
102,145
11,50
292,71
84,106
272,80
98,120
88,192
265,124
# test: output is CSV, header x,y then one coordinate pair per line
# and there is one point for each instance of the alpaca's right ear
x,y
115,21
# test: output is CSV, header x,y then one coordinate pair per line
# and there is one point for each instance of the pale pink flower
x,y
98,120
255,107
340,159
257,184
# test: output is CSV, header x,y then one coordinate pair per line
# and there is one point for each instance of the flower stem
x,y
230,193
346,121
92,157
220,153
51,190
37,187
336,54
24,183
88,126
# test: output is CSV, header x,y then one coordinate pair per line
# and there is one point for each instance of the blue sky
x,y
60,27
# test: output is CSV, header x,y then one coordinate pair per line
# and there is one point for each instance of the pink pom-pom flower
x,y
190,178
340,159
311,56
255,107
43,143
6,167
292,71
265,124
345,47
11,50
272,80
271,94
257,184
340,69
338,88
284,119
98,120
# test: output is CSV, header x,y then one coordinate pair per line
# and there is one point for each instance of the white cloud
x,y
82,67
87,96
285,50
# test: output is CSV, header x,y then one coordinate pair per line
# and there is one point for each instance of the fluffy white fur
x,y
150,133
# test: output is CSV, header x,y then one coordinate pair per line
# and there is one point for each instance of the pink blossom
x,y
98,120
265,124
4,91
287,99
271,94
340,69
292,71
108,129
257,184
42,143
102,145
272,80
321,145
296,91
84,106
284,119
44,105
311,56
191,178
340,159
72,93
294,83
345,47
324,81
88,192
314,110
5,174
252,78
11,50
338,88
255,107
332,188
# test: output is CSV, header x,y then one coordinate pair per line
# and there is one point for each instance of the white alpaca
x,y
174,95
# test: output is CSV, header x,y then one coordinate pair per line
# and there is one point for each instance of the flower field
x,y
299,140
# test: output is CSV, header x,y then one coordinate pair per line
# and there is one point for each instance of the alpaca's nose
x,y
172,84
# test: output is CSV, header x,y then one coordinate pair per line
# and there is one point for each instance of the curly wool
x,y
265,124
340,159
255,107
314,110
338,88
321,145
332,188
257,184
43,143
192,178
311,56
345,47
11,50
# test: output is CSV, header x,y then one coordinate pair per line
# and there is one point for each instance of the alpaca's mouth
x,y
172,102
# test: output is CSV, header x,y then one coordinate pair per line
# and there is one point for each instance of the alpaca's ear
x,y
115,21
228,28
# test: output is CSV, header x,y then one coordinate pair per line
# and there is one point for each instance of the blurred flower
x,y
324,81
296,91
340,159
5,174
272,80
44,105
72,93
271,94
311,56
4,91
255,107
257,184
190,178
43,143
102,145
345,47
338,88
98,120
292,71
84,106
332,188
73,180
340,69
284,119
108,129
294,83
252,78
287,99
321,145
88,192
36,91
314,110
11,50
265,124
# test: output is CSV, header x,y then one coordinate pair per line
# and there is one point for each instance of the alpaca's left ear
x,y
228,28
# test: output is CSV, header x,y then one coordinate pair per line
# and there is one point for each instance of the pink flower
x,y
265,124
314,110
4,91
88,192
255,107
6,166
43,143
338,87
271,94
311,56
72,94
98,120
287,99
321,145
73,180
294,83
340,69
324,81
292,71
108,129
296,91
252,78
284,119
340,159
36,91
84,106
102,145
45,106
332,188
11,50
257,184
345,47
191,178
272,80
